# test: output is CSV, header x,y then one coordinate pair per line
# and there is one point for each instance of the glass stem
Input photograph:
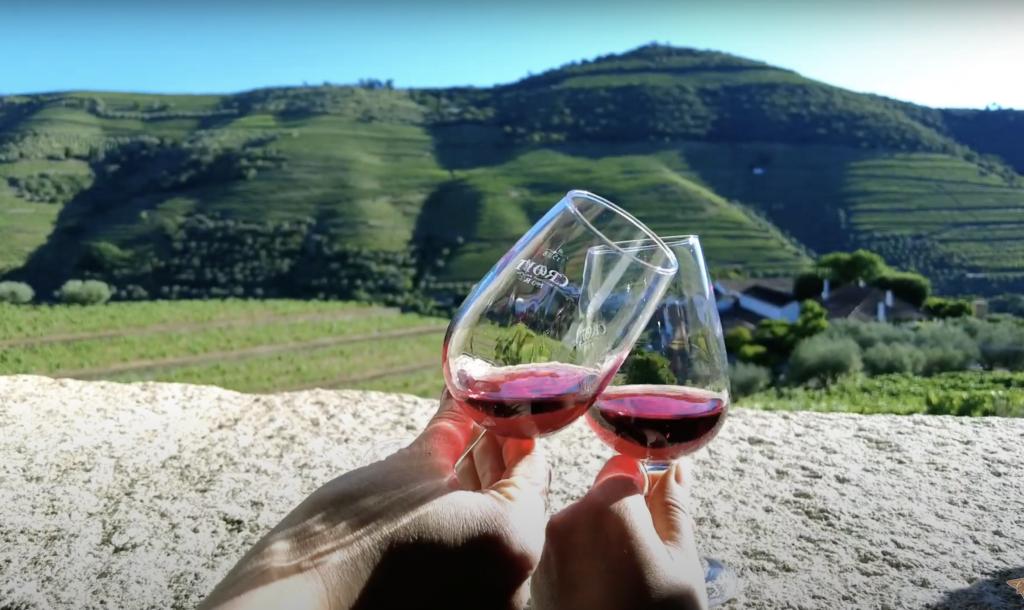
x,y
472,446
657,466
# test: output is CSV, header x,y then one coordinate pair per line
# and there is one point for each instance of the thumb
x,y
670,506
526,470
448,433
620,478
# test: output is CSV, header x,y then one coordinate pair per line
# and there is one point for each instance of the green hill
x,y
182,194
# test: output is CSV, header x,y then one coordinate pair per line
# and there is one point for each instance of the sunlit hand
x,y
615,549
407,532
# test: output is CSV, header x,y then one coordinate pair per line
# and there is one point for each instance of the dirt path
x,y
240,354
189,327
366,376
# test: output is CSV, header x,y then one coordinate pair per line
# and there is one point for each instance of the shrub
x,y
1001,346
519,345
88,292
746,379
824,360
945,360
973,404
947,347
647,367
16,292
869,334
753,354
882,359
736,339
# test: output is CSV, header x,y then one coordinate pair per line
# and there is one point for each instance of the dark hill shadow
x,y
452,210
121,210
469,145
991,593
798,188
90,217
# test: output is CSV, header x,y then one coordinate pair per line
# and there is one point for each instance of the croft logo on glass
x,y
589,333
534,273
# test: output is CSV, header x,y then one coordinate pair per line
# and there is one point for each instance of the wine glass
x,y
671,395
521,356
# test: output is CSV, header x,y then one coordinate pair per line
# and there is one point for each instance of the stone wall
x,y
143,495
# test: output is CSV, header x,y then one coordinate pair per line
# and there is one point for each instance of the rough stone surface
x,y
143,495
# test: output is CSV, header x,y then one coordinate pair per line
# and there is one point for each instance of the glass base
x,y
721,581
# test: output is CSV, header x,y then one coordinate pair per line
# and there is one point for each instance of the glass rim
x,y
658,242
670,241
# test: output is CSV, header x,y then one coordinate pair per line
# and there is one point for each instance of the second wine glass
x,y
671,395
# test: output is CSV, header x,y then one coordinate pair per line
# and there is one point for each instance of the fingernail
x,y
624,468
682,477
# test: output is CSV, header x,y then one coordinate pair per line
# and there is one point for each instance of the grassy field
x,y
276,346
248,346
964,393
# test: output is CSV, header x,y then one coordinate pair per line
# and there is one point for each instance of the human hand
x,y
408,532
615,549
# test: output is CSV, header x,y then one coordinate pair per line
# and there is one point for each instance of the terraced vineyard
x,y
248,346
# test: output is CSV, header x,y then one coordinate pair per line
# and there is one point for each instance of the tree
x,y
777,339
911,287
938,307
646,367
845,268
812,321
824,360
808,285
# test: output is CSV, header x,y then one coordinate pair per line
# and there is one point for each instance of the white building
x,y
744,302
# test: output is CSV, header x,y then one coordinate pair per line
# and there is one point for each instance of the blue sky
x,y
937,53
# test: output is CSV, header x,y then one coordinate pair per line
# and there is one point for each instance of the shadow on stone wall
x,y
992,592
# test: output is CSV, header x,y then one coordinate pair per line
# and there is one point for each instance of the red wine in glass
x,y
531,400
658,423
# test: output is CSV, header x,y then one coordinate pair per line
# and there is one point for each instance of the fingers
x,y
619,488
466,472
489,460
526,469
669,502
447,435
618,472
